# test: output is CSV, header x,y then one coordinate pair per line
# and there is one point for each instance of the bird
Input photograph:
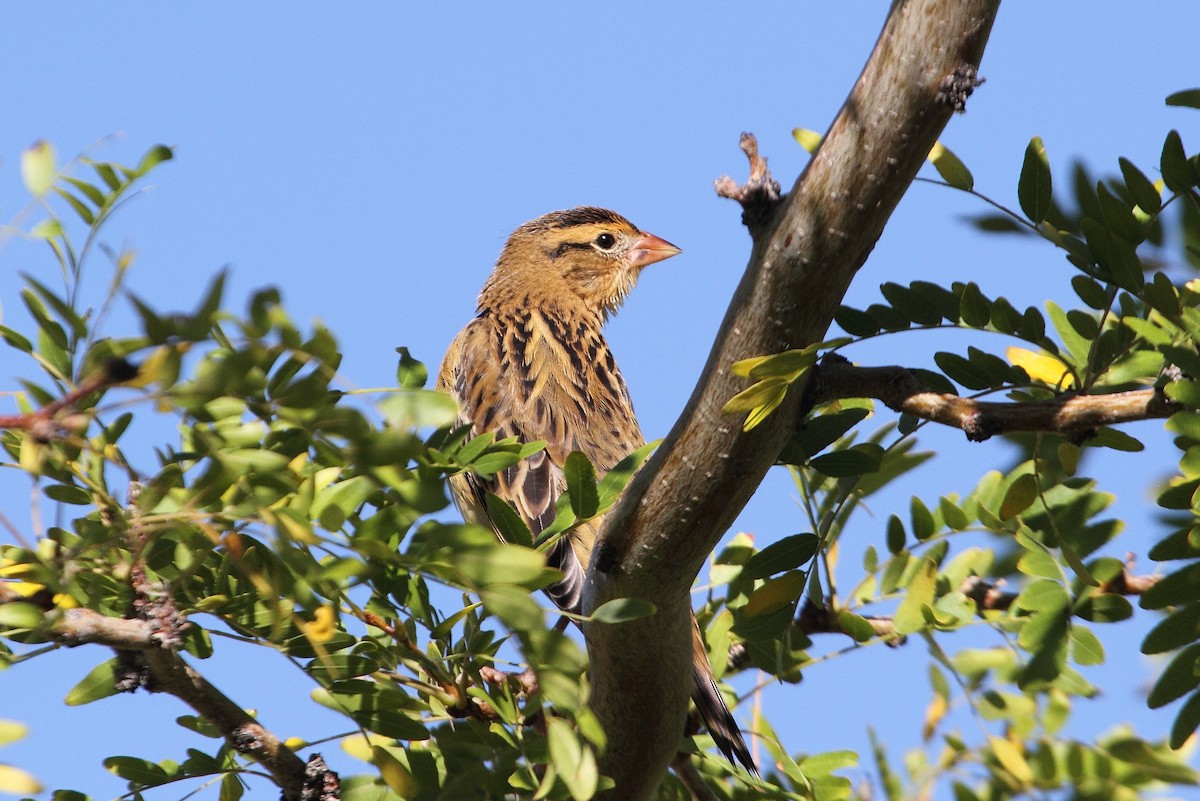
x,y
534,364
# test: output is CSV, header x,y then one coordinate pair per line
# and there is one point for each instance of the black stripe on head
x,y
584,215
564,247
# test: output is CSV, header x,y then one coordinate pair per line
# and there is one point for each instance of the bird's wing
x,y
535,377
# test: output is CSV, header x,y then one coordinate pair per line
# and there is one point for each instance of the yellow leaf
x,y
31,455
394,774
950,167
18,782
809,140
758,394
933,716
320,628
11,731
742,367
1041,367
358,746
26,589
1011,759
37,168
152,367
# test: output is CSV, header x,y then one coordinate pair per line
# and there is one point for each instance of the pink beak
x,y
649,249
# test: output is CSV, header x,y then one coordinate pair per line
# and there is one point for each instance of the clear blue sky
x,y
370,159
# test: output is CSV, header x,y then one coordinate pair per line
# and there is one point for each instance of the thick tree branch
x,y
804,255
901,390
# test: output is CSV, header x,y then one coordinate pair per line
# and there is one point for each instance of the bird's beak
x,y
649,249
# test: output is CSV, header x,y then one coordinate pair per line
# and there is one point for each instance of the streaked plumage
x,y
534,364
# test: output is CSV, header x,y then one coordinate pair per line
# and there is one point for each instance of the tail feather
x,y
718,719
711,704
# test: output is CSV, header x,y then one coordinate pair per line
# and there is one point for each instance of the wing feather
x,y
519,376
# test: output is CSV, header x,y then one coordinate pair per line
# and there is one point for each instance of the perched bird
x,y
534,365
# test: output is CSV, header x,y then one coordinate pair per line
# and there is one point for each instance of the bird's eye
x,y
606,241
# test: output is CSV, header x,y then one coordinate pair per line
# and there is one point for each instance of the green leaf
x,y
856,461
574,762
828,762
1181,677
621,610
918,308
332,505
503,564
1174,631
962,370
20,615
819,432
1145,193
581,485
419,408
1078,346
1186,722
1034,186
1020,495
855,626
1175,589
507,521
152,158
786,554
37,168
1176,173
1118,216
1086,646
137,771
910,615
923,524
616,479
78,206
775,594
410,373
1188,97
514,606
856,322
1104,608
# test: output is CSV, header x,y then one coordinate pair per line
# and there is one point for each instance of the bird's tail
x,y
711,704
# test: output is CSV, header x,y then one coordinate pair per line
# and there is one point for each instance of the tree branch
x,y
46,423
167,672
900,390
804,255
987,596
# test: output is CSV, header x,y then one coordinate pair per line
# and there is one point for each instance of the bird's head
x,y
585,255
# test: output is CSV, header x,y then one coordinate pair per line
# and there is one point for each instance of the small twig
x,y
45,424
987,597
759,195
900,390
691,780
526,681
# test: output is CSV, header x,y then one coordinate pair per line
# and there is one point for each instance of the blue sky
x,y
371,158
